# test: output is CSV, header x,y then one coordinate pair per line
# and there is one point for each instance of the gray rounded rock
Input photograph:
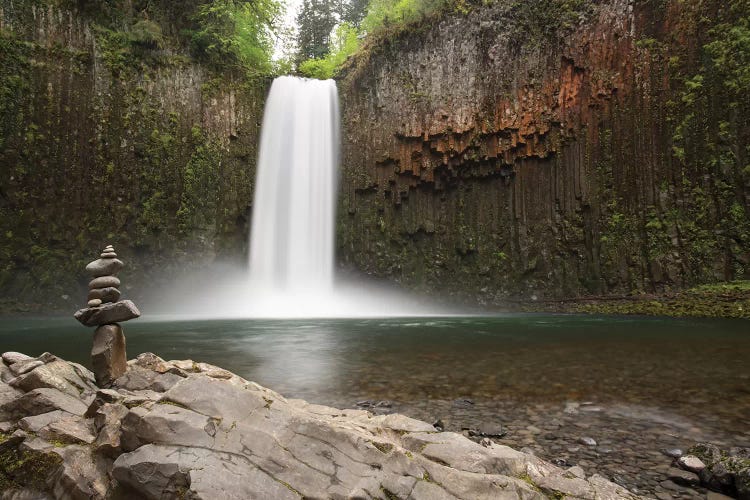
x,y
587,441
108,255
691,463
108,294
104,282
104,267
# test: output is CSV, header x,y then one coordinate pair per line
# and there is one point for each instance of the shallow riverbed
x,y
633,385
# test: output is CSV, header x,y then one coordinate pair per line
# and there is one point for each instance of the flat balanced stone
x,y
108,255
104,267
108,356
104,282
106,314
94,302
109,294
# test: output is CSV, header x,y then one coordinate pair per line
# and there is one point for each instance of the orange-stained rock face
x,y
493,162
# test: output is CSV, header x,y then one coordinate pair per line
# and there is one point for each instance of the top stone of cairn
x,y
107,265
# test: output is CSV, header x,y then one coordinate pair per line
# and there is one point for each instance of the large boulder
x,y
54,373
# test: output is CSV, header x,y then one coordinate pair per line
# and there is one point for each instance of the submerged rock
x,y
588,441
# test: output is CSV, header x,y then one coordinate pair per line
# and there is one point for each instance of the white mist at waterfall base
x,y
292,240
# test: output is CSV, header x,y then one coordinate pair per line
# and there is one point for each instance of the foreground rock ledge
x,y
181,429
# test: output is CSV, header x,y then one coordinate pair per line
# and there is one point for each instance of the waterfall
x,y
292,236
292,232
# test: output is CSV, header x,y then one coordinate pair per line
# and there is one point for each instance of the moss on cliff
x,y
112,131
598,157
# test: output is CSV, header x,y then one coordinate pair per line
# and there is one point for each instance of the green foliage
x,y
723,300
383,14
343,44
236,33
200,179
711,141
355,11
537,20
316,21
13,82
147,33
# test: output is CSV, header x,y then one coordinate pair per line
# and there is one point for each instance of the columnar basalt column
x,y
105,310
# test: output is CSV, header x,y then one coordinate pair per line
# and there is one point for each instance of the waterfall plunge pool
x,y
634,385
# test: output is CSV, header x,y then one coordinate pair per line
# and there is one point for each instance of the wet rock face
x,y
502,154
81,110
197,431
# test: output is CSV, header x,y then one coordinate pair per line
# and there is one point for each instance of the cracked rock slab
x,y
191,430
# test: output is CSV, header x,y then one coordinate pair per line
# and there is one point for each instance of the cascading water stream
x,y
292,237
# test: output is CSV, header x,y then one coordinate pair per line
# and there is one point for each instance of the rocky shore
x,y
181,429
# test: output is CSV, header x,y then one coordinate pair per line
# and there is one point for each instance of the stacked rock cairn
x,y
104,311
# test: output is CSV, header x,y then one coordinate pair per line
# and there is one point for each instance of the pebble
x,y
587,441
463,403
672,452
94,302
591,408
108,255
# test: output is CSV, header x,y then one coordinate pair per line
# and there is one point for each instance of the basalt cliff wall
x,y
539,149
113,131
